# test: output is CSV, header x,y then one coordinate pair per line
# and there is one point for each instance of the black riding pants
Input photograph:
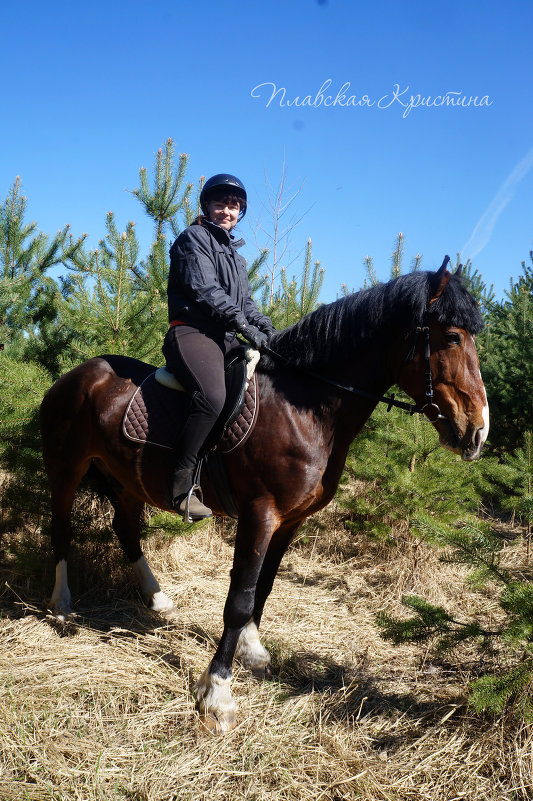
x,y
197,361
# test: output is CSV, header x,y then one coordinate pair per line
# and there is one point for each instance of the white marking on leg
x,y
216,704
250,651
154,598
60,600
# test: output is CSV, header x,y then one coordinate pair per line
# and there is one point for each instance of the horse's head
x,y
459,395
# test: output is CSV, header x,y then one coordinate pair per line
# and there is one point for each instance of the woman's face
x,y
224,214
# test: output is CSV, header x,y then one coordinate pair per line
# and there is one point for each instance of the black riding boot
x,y
183,492
201,420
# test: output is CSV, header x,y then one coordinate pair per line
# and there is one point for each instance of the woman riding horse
x,y
209,302
417,331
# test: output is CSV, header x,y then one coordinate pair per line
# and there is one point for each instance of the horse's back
x,y
127,367
89,387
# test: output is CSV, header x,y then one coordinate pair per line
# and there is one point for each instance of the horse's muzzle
x,y
473,451
469,446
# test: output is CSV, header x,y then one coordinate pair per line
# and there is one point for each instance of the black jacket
x,y
208,284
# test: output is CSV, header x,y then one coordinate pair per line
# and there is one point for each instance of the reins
x,y
390,400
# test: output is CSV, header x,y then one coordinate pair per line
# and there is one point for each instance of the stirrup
x,y
196,488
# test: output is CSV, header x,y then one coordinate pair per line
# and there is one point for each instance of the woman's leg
x,y
197,361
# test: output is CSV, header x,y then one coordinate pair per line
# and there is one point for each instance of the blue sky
x,y
91,91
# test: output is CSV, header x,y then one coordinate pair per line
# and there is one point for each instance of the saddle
x,y
158,410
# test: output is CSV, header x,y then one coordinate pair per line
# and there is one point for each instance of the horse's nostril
x,y
477,442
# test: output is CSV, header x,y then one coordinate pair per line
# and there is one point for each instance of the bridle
x,y
390,400
429,397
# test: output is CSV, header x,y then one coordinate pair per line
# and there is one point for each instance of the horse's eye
x,y
453,338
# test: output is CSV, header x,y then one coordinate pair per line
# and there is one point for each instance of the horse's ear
x,y
459,271
439,281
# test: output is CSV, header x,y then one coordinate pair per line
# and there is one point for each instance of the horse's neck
x,y
323,420
342,414
369,373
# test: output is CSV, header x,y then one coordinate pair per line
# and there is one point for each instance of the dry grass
x,y
102,709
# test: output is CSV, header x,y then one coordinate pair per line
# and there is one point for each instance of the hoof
x,y
210,724
169,614
62,613
64,624
251,653
262,673
161,603
215,703
63,617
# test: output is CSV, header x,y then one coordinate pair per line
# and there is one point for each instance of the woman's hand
x,y
254,336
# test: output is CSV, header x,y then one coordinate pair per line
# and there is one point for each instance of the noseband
x,y
390,400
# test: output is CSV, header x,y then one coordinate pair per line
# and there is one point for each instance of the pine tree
x,y
299,296
25,257
480,548
401,471
168,202
109,307
477,287
396,268
258,280
24,486
508,365
397,256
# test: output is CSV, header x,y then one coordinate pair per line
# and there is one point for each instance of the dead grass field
x,y
102,709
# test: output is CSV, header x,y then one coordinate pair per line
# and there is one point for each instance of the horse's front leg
x,y
213,690
250,651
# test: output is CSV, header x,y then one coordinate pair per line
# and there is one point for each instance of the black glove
x,y
254,336
267,329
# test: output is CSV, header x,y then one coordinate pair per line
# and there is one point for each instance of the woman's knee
x,y
215,397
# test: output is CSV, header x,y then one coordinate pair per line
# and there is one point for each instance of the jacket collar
x,y
220,234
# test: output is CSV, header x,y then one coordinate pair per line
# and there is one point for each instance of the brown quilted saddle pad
x,y
156,415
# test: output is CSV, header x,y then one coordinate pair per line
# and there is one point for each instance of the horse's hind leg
x,y
66,434
127,526
64,484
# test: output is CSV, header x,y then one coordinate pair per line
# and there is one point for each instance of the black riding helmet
x,y
222,181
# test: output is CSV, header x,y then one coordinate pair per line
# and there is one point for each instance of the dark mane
x,y
333,331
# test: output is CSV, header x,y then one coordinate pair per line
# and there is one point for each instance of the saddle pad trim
x,y
251,389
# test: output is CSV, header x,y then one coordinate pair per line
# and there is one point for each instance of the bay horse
x,y
291,464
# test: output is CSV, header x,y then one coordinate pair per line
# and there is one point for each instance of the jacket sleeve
x,y
193,265
253,315
256,317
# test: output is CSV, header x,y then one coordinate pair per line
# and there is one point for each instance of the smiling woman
x,y
209,302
